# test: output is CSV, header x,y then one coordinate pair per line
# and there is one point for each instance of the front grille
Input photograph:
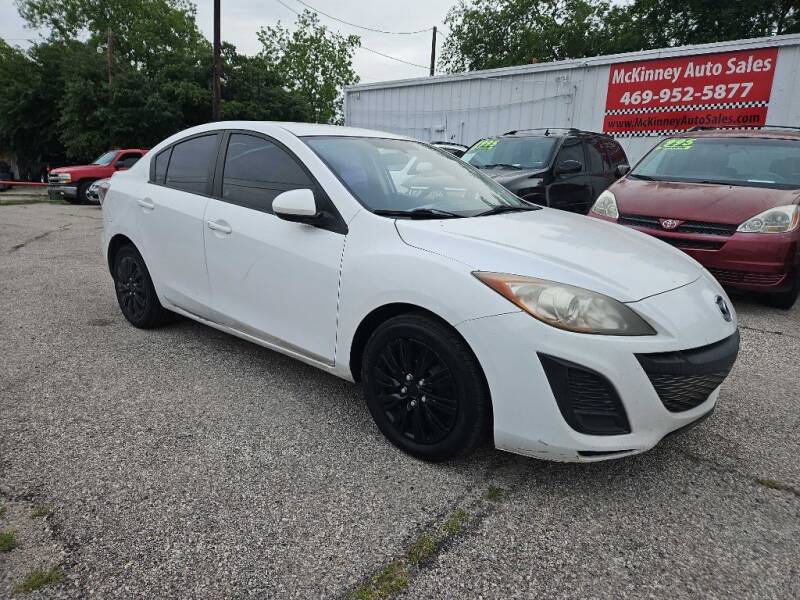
x,y
702,227
685,244
53,178
685,392
587,400
728,277
685,379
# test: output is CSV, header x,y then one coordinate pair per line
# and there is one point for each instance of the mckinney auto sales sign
x,y
658,97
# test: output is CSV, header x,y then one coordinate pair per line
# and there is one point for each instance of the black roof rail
x,y
547,130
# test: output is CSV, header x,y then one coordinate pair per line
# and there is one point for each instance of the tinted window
x,y
257,170
616,154
572,149
105,159
595,156
190,164
161,166
126,161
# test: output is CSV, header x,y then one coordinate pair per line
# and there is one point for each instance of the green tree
x,y
253,90
497,33
314,62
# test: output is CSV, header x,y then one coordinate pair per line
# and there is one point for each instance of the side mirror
x,y
569,167
622,170
297,206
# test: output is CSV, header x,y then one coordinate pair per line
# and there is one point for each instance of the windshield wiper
x,y
645,177
504,208
504,165
418,213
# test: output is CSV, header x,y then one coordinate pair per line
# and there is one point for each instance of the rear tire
x,y
135,292
784,300
425,388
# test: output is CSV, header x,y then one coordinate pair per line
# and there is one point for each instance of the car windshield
x,y
524,152
750,162
401,176
105,159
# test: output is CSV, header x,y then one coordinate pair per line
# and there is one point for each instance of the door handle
x,y
146,203
220,226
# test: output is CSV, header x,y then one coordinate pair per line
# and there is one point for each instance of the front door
x,y
571,191
272,279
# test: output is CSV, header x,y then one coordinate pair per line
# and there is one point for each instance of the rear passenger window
x,y
126,161
257,170
190,164
160,171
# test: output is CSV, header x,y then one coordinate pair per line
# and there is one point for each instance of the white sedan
x,y
462,310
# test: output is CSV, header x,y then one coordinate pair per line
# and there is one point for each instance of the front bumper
x,y
527,417
57,192
749,261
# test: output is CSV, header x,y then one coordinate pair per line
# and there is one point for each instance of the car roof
x,y
298,129
777,133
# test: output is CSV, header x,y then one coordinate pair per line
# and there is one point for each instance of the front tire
x,y
135,292
425,388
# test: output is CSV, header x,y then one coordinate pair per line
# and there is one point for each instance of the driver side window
x,y
571,149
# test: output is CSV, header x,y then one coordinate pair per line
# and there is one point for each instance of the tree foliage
x,y
57,104
315,62
497,33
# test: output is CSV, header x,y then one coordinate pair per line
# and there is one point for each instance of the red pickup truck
x,y
72,183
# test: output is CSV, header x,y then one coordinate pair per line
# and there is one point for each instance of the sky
x,y
241,19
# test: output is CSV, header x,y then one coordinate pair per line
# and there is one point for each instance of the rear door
x,y
571,191
171,210
600,169
275,280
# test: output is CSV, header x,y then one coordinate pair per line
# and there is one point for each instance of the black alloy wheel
x,y
425,388
135,292
416,391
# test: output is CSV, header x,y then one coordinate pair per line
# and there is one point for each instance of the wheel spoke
x,y
439,376
445,405
434,420
417,427
384,378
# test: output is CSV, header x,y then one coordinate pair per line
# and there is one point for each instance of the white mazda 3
x,y
464,311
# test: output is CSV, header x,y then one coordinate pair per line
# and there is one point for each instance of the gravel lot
x,y
183,462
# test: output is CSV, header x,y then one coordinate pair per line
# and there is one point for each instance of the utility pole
x,y
217,70
109,64
433,51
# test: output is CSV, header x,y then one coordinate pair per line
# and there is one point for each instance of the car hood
x,y
558,246
713,203
79,169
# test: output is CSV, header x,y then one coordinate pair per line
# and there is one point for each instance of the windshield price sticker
x,y
677,144
486,144
657,97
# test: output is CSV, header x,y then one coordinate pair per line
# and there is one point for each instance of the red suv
x,y
728,198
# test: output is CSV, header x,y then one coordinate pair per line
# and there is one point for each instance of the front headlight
x,y
64,178
606,205
566,306
775,220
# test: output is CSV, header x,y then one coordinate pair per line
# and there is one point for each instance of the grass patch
x,y
8,541
40,510
38,579
421,550
494,493
454,523
392,578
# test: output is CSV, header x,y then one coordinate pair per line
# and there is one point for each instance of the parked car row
x,y
728,198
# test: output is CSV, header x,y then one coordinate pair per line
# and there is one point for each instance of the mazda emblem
x,y
724,308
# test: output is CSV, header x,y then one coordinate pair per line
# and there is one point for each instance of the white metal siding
x,y
466,107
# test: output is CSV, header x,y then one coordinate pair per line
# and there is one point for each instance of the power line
x,y
365,47
361,26
393,58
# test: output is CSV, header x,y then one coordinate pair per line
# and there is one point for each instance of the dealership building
x,y
637,97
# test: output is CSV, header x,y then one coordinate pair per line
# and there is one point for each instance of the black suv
x,y
560,168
